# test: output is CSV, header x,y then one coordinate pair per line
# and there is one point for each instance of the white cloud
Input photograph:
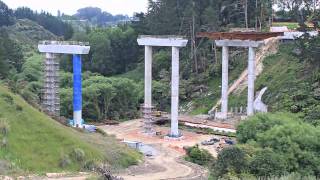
x,y
71,6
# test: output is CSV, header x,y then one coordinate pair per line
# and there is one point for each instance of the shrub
x,y
78,154
65,161
266,163
231,159
19,108
102,132
199,156
313,115
90,165
248,130
4,142
4,127
30,97
5,167
7,98
293,145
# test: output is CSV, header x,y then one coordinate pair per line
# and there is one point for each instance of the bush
x,y
231,159
313,115
65,161
90,165
289,145
5,167
4,142
266,163
7,98
19,108
199,156
249,129
4,127
78,154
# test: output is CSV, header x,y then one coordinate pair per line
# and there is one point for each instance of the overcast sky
x,y
70,7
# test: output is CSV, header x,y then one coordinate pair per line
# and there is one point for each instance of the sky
x,y
70,7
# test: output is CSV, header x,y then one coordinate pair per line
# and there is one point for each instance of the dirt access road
x,y
168,163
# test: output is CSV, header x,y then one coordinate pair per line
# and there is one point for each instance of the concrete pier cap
x,y
64,47
164,40
239,43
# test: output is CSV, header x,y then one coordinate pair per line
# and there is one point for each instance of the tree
x,y
11,57
199,156
266,163
299,9
309,49
113,50
231,159
287,141
6,15
125,103
247,131
48,21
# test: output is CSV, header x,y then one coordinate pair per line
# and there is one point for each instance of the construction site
x,y
160,90
163,137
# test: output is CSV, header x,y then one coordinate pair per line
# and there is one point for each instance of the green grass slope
x,y
293,85
37,144
28,33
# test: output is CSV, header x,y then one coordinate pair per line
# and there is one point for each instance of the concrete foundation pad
x,y
149,134
169,138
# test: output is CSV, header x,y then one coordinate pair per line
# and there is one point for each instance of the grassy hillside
x,y
28,33
34,143
293,85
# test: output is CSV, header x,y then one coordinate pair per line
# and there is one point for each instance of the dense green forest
x,y
281,143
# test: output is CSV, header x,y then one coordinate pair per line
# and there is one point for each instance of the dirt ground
x,y
168,163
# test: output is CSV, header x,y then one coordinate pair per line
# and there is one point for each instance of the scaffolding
x,y
51,99
148,119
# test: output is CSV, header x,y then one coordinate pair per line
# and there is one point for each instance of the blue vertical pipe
x,y
77,91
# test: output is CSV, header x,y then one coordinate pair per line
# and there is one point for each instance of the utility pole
x,y
246,12
193,39
256,15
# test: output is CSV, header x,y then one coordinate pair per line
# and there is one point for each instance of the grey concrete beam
x,y
238,43
166,41
63,49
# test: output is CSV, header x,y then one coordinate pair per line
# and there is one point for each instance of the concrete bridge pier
x,y
175,43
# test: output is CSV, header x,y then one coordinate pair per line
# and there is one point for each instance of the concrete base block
x,y
221,116
169,138
150,134
244,117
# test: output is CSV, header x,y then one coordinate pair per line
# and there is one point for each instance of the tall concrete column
x,y
77,92
148,77
175,93
251,79
225,81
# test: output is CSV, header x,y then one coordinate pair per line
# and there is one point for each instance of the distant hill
x,y
97,17
28,33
